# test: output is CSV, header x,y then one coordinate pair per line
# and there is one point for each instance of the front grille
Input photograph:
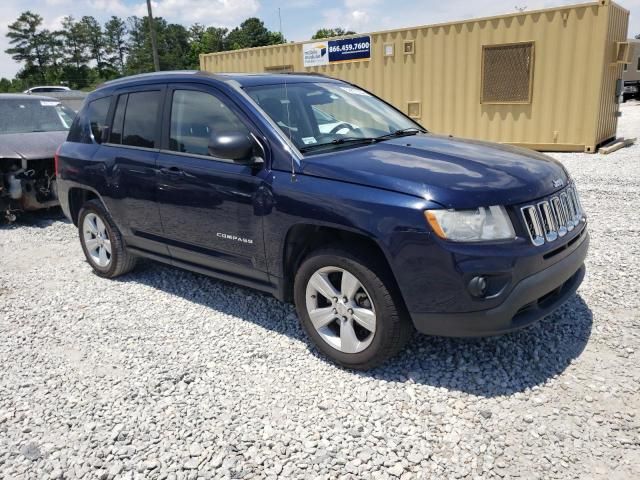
x,y
552,218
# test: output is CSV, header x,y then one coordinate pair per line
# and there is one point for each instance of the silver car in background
x,y
31,130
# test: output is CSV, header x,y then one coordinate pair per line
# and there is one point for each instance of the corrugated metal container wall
x,y
571,103
611,73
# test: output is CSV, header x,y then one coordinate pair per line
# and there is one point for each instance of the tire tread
x,y
400,328
122,260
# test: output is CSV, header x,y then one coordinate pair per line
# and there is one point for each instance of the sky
x,y
300,18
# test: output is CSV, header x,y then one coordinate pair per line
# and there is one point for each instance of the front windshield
x,y
26,116
318,115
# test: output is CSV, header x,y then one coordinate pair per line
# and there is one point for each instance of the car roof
x,y
243,79
26,96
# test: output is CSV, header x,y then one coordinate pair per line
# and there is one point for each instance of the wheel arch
x,y
302,239
78,196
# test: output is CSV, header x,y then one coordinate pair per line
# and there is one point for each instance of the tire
x,y
391,326
96,227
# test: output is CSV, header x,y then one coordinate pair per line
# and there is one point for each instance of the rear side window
x,y
98,110
90,121
141,119
194,116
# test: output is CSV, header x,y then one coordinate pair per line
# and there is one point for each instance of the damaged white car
x,y
31,129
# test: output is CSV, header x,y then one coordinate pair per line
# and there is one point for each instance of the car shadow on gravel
x,y
486,367
501,365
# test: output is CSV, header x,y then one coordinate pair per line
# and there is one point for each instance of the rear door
x,y
132,149
210,207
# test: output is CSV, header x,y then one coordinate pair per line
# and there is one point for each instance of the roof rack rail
x,y
311,74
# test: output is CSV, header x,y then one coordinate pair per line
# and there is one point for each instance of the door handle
x,y
172,171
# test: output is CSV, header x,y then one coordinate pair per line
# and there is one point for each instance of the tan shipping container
x,y
632,69
544,79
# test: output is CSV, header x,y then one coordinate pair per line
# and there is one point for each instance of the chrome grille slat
x,y
559,212
573,198
532,221
549,223
567,214
554,217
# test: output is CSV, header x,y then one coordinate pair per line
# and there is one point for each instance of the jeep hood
x,y
31,146
457,173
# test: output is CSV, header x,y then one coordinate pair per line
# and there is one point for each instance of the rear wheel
x,y
102,241
347,307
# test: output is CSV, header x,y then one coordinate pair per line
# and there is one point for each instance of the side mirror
x,y
236,146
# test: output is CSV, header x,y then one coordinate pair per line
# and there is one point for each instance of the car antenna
x,y
286,94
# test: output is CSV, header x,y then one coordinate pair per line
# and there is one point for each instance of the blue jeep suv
x,y
320,193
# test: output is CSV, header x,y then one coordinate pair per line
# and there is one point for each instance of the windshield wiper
x,y
401,133
339,141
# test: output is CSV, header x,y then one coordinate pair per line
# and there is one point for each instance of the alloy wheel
x,y
96,240
340,309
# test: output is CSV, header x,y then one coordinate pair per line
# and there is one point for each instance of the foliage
x,y
85,52
331,32
252,33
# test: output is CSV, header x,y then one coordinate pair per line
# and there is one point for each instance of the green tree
x,y
29,43
252,33
139,58
55,46
76,49
173,46
205,40
331,32
5,85
75,41
95,41
115,38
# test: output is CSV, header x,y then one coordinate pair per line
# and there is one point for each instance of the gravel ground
x,y
168,374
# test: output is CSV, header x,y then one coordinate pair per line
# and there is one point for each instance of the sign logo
x,y
315,54
557,183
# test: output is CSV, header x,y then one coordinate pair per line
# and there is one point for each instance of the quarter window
x,y
195,116
98,110
141,119
638,65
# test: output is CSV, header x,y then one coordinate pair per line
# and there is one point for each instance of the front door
x,y
209,207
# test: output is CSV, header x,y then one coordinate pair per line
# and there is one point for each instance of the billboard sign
x,y
334,51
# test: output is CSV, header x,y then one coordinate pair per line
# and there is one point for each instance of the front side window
x,y
322,114
141,119
195,116
27,115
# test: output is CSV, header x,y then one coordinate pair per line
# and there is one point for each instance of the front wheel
x,y
347,307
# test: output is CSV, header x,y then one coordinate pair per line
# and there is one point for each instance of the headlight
x,y
481,224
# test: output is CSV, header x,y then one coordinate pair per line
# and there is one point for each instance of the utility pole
x,y
154,41
280,19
